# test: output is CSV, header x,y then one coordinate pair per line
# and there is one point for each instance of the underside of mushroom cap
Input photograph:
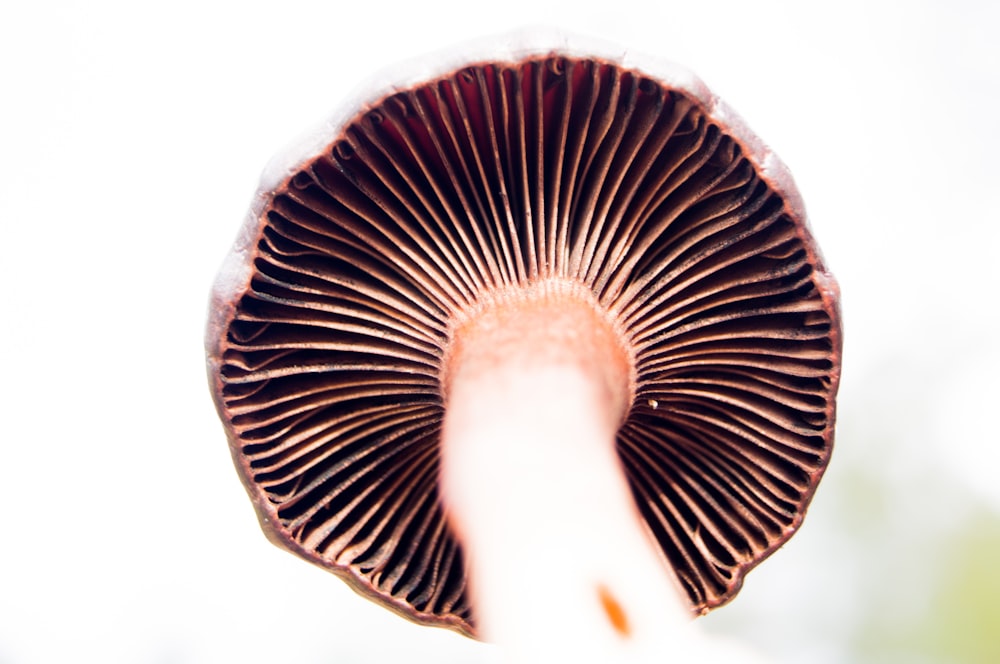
x,y
333,319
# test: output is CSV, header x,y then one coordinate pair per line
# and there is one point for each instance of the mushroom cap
x,y
332,316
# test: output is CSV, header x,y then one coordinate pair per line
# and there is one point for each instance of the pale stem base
x,y
561,567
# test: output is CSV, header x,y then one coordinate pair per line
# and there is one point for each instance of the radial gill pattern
x,y
499,175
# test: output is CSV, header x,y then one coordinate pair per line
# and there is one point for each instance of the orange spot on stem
x,y
614,611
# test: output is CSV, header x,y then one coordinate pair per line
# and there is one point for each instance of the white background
x,y
131,139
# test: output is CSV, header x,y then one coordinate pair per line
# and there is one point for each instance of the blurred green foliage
x,y
955,615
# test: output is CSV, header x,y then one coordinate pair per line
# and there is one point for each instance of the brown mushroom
x,y
508,263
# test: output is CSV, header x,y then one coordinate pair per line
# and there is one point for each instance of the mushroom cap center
x,y
547,323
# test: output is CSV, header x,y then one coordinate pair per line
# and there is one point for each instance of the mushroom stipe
x,y
333,325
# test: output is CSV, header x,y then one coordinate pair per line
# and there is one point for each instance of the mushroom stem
x,y
537,383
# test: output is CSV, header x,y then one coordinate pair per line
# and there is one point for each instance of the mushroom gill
x,y
494,178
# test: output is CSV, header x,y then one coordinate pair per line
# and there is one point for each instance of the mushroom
x,y
538,349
